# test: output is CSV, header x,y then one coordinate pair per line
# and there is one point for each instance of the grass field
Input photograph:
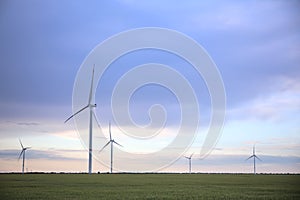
x,y
148,186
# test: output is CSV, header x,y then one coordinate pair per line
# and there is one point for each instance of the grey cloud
x,y
24,123
240,159
250,53
38,154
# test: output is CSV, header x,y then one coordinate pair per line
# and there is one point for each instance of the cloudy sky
x,y
255,45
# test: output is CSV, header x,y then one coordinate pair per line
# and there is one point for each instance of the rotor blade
x,y
96,119
21,154
257,158
186,157
104,146
250,157
192,155
76,113
21,144
27,148
117,143
109,130
91,90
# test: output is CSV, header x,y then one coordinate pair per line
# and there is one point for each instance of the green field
x,y
148,186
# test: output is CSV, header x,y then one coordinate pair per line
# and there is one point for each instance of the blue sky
x,y
255,44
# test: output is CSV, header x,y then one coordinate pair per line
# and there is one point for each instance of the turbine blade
x,y
109,130
250,157
117,143
91,89
96,119
21,144
192,155
186,157
104,146
27,148
21,154
76,113
258,158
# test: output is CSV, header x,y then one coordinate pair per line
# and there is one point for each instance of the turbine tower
x,y
190,162
23,153
111,142
91,106
254,157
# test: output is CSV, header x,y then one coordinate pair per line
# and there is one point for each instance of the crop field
x,y
149,186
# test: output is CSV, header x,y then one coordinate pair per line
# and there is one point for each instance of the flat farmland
x,y
149,186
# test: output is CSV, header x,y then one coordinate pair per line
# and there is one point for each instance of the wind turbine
x,y
254,157
111,142
91,106
190,162
23,153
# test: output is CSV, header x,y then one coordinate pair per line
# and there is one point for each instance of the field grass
x,y
148,186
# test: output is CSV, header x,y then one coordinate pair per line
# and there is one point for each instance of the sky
x,y
254,44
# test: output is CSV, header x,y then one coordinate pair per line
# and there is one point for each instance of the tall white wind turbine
x,y
111,142
91,106
254,156
190,162
23,153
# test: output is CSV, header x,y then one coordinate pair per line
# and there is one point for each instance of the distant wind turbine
x,y
254,157
23,153
91,106
111,141
190,162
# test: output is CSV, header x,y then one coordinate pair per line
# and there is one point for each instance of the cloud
x,y
20,128
283,102
42,154
24,123
248,29
217,163
68,134
241,159
255,45
214,163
